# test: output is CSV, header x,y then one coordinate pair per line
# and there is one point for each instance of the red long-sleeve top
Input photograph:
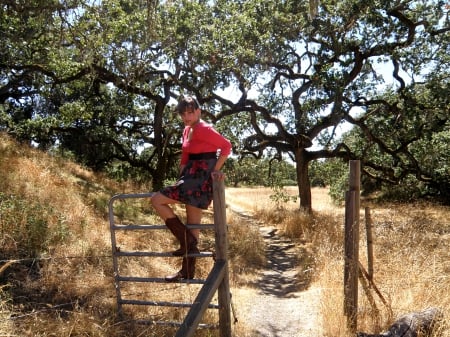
x,y
204,138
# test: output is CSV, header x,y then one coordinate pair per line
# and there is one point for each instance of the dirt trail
x,y
282,303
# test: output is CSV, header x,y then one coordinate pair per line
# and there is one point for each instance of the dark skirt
x,y
194,187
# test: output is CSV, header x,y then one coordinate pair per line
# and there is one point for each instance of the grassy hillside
x,y
56,276
56,273
56,267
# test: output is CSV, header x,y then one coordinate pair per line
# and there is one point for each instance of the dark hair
x,y
187,103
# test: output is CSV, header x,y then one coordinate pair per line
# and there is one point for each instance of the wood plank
x,y
202,300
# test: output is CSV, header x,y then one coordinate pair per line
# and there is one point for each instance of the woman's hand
x,y
218,175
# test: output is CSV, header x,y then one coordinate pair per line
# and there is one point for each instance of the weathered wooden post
x,y
220,222
368,220
217,279
351,251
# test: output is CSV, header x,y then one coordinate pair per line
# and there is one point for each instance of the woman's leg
x,y
194,216
187,238
188,241
161,205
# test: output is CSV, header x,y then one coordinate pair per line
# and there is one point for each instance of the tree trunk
x,y
303,183
159,175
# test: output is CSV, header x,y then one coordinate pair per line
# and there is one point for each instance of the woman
x,y
204,151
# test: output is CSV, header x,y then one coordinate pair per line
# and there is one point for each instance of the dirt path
x,y
282,303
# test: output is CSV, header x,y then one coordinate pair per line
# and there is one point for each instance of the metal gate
x,y
217,280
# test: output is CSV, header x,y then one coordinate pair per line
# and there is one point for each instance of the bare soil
x,y
281,302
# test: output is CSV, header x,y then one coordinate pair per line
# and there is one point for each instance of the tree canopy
x,y
100,78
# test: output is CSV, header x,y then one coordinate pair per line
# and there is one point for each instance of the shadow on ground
x,y
288,268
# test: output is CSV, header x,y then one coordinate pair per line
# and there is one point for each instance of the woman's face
x,y
190,117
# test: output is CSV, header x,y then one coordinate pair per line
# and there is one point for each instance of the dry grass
x,y
411,255
67,288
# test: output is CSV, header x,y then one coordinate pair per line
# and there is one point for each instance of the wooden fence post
x,y
351,248
368,221
220,223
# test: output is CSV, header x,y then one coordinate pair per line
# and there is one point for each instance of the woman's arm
x,y
206,134
220,161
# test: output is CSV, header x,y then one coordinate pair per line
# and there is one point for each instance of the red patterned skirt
x,y
194,187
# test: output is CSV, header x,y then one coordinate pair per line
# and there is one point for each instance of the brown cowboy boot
x,y
188,242
190,245
187,271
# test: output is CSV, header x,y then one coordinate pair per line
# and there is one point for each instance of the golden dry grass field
x,y
56,269
411,256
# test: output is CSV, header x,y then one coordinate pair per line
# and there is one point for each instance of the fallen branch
x,y
6,265
374,287
415,324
